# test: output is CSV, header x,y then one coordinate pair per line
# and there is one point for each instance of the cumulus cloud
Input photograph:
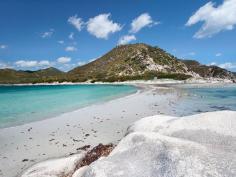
x,y
47,34
3,46
70,49
142,21
4,65
81,63
126,39
67,66
213,64
101,26
63,60
31,63
76,22
226,65
215,19
44,63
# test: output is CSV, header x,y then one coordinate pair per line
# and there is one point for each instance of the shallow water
x,y
206,99
22,104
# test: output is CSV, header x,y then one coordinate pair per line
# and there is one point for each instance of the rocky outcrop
x,y
157,146
198,145
209,71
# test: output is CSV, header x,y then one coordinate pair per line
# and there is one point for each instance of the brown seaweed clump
x,y
95,153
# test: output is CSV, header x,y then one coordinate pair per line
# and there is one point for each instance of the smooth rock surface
x,y
163,146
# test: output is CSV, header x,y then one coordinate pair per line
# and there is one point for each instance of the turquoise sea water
x,y
21,104
206,99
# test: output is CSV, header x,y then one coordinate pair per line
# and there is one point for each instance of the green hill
x,y
125,62
134,61
11,76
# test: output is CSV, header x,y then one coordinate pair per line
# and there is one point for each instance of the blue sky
x,y
68,33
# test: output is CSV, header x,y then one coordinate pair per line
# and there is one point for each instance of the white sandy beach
x,y
25,145
157,146
22,146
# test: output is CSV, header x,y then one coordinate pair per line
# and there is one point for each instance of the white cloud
x,y
63,60
213,64
142,21
218,54
76,22
4,65
81,63
101,26
215,19
126,39
31,63
70,49
44,63
2,46
48,34
67,66
60,42
226,65
71,36
23,63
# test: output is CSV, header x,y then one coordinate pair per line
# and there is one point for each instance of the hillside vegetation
x,y
125,62
134,61
11,76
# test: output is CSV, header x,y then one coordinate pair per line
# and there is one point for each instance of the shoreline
x,y
138,89
104,122
24,145
131,82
